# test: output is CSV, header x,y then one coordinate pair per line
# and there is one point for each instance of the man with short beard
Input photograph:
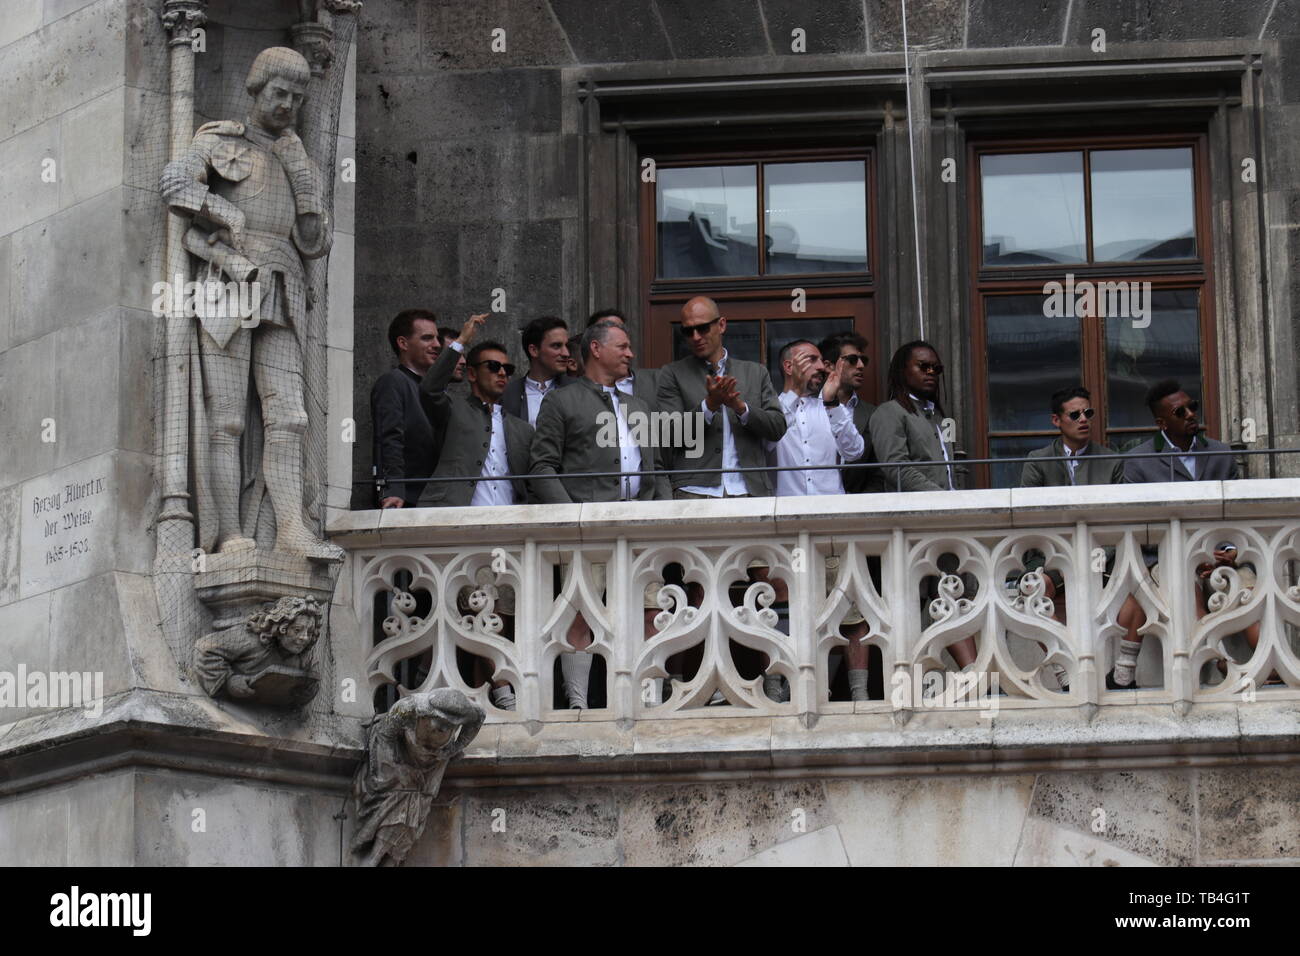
x,y
1072,414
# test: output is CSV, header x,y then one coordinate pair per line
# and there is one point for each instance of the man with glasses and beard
x,y
852,349
1072,414
737,401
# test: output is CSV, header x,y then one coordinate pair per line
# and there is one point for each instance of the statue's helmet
x,y
277,61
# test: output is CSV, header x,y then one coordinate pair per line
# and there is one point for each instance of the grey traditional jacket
x,y
466,426
903,436
1089,471
566,449
682,389
860,480
1209,467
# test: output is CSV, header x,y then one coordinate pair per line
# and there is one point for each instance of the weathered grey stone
x,y
25,197
17,19
820,848
58,9
388,34
68,267
612,32
87,633
60,66
551,173
6,290
1127,22
837,26
1149,813
473,180
345,192
939,25
85,823
1003,23
1284,21
459,36
1248,813
716,824
1043,843
26,626
524,259
30,396
9,536
724,28
91,148
386,193
554,827
260,825
396,110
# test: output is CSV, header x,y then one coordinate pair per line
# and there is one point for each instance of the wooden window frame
x,y
1195,273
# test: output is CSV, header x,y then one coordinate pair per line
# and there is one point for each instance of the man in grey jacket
x,y
909,426
590,427
1072,415
737,401
1185,455
479,440
641,382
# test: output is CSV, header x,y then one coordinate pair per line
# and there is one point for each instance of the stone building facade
x,y
502,146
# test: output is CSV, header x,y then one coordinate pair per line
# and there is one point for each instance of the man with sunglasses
x,y
852,349
1072,415
909,427
1179,446
739,405
480,442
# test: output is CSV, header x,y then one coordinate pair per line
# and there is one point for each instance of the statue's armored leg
x,y
277,368
225,379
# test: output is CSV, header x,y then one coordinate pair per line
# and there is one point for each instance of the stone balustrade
x,y
925,570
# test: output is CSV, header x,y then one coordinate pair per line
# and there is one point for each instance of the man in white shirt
x,y
546,343
819,429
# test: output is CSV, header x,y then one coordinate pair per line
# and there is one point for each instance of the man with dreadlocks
x,y
908,428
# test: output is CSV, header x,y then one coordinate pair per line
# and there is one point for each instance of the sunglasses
x,y
690,331
1085,412
929,369
1191,408
495,367
854,359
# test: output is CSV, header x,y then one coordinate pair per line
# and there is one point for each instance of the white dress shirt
x,y
1071,460
927,409
497,462
814,435
1189,461
732,481
534,392
629,453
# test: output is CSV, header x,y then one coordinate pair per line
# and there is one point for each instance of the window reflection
x,y
1137,358
706,221
1033,208
1029,357
816,217
1142,204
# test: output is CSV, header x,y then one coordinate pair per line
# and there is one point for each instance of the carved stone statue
x,y
258,209
269,660
408,750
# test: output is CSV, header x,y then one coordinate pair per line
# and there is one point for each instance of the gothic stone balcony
x,y
925,569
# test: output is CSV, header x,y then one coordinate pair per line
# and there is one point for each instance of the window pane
x,y
1142,204
782,332
1136,358
741,340
816,217
706,221
1029,358
1033,208
1008,475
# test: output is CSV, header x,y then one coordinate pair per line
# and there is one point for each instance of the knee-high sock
x,y
1126,661
576,668
858,684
